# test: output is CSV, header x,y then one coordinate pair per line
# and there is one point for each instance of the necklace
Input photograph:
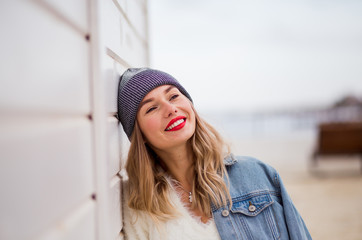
x,y
190,193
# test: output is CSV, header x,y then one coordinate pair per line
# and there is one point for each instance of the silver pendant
x,y
190,197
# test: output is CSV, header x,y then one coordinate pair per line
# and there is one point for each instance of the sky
x,y
259,55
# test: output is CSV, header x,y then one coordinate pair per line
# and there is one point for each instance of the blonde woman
x,y
182,184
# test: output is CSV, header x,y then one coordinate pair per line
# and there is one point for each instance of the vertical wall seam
x,y
99,123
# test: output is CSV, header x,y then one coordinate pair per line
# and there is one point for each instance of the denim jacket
x,y
261,209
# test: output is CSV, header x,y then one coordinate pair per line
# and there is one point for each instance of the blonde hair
x,y
148,185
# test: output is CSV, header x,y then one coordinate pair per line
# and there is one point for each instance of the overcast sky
x,y
259,55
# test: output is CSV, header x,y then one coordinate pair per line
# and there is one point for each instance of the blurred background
x,y
269,75
281,80
254,56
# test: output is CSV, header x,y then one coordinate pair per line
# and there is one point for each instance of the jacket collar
x,y
230,160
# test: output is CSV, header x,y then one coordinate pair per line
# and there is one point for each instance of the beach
x,y
328,196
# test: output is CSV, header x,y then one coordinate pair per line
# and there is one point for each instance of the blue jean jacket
x,y
261,209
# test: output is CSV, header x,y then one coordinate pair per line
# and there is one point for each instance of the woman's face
x,y
166,118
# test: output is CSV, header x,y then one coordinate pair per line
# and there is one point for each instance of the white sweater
x,y
185,227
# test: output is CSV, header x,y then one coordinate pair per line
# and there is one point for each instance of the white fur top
x,y
185,227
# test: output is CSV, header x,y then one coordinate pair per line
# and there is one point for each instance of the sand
x,y
328,196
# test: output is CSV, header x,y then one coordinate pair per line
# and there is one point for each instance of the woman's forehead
x,y
161,89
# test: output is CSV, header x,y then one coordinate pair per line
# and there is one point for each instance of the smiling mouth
x,y
176,124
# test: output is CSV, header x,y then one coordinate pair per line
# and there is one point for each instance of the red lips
x,y
178,127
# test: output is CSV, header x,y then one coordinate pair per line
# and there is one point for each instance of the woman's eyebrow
x,y
144,102
151,99
169,89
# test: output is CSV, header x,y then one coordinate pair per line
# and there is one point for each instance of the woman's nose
x,y
170,109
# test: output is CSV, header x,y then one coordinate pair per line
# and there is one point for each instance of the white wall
x,y
61,147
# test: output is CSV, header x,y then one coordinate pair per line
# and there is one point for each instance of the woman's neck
x,y
180,164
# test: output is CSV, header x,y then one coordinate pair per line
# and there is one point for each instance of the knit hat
x,y
134,85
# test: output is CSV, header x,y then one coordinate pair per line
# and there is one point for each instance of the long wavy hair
x,y
147,180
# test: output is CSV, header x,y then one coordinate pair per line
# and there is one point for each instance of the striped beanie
x,y
134,85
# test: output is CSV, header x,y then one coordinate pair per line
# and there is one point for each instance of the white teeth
x,y
175,124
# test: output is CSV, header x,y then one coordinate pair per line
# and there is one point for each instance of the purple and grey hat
x,y
134,85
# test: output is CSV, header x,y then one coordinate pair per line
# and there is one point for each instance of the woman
x,y
182,184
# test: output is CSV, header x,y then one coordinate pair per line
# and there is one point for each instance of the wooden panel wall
x,y
61,146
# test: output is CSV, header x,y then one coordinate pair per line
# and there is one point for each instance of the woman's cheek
x,y
151,125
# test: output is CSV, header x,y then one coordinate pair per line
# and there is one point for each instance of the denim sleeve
x,y
295,224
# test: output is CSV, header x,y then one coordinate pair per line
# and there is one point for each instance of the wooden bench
x,y
343,138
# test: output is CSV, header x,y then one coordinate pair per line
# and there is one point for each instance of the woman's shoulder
x,y
246,162
250,171
136,223
133,214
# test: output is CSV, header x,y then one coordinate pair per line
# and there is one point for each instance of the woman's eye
x,y
150,109
174,97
